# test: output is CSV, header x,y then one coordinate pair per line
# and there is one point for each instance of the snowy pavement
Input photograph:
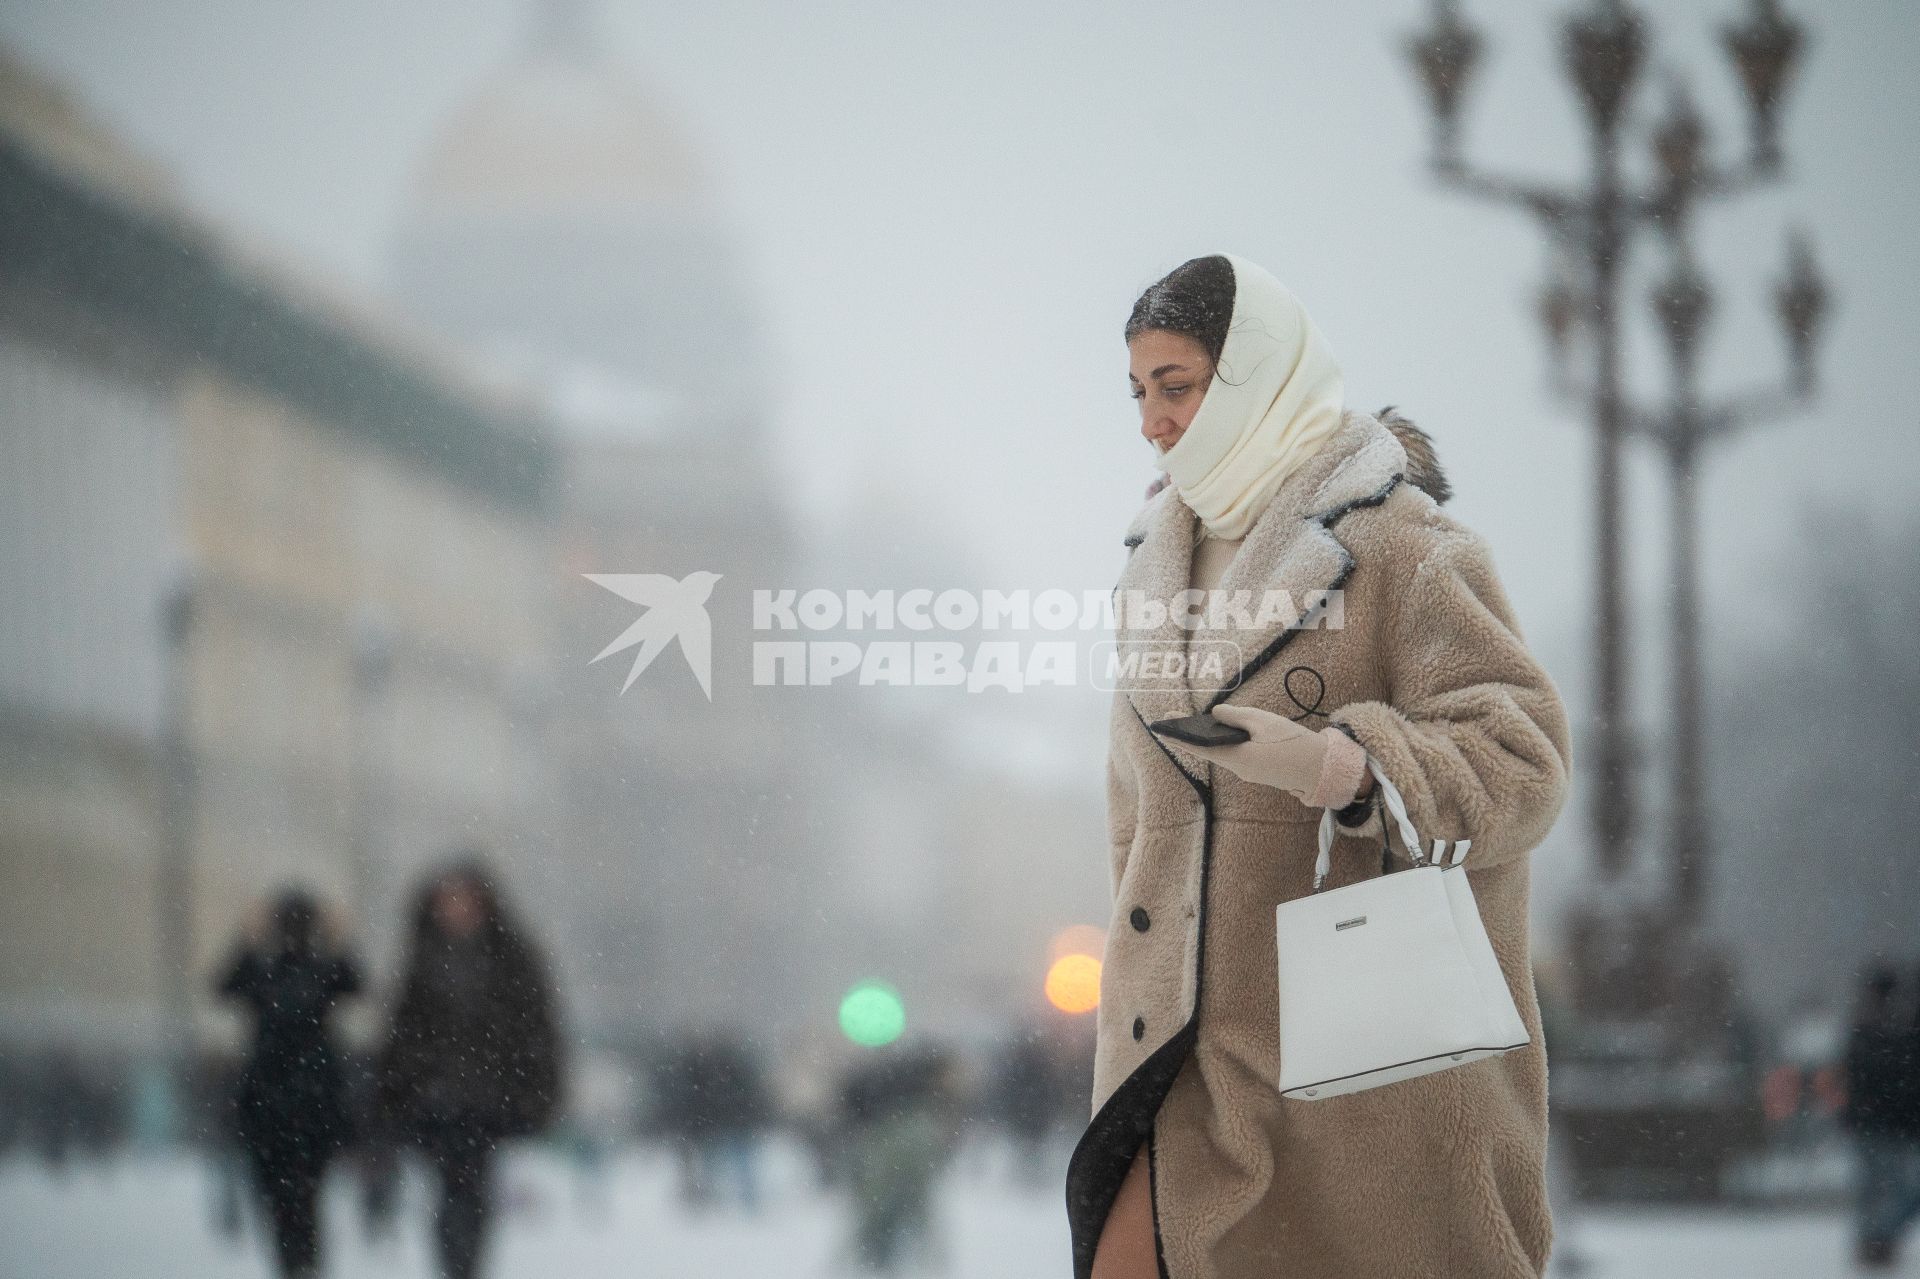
x,y
153,1218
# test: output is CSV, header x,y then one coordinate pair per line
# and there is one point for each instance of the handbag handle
x,y
1398,807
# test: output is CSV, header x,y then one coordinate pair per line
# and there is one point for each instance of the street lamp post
x,y
1682,301
371,639
1650,1001
1592,226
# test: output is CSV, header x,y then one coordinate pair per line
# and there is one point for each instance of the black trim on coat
x,y
1108,1146
1153,1176
1133,540
1326,520
1105,1150
1125,1122
1198,785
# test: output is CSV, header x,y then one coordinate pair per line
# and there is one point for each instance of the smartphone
x,y
1200,730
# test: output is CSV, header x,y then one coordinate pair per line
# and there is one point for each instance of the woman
x,y
290,1108
1194,1166
472,1056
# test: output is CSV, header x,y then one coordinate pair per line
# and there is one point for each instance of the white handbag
x,y
1390,977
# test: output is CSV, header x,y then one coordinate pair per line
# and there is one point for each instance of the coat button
x,y
1140,919
1139,1028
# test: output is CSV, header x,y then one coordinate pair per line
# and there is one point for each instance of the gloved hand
x,y
1323,769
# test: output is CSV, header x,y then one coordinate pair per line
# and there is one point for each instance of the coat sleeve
x,y
240,978
1474,734
343,977
537,1065
396,1067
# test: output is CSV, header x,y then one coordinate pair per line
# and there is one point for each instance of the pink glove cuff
x,y
1342,768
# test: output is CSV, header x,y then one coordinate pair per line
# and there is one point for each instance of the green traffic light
x,y
872,1015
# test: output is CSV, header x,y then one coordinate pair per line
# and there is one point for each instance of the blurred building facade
x,y
295,593
273,578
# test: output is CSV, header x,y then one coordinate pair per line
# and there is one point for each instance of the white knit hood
x,y
1276,396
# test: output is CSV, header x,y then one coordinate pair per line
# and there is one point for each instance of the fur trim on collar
x,y
1423,466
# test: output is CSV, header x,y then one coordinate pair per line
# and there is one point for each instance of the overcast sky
x,y
947,210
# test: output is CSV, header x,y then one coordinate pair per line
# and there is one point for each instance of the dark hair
x,y
296,922
1195,300
467,866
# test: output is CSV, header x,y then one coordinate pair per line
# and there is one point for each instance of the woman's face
x,y
457,908
1169,374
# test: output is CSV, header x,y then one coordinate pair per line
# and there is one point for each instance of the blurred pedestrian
x,y
1882,1115
805,1095
899,1134
713,1099
290,1107
1025,1097
57,1115
472,1056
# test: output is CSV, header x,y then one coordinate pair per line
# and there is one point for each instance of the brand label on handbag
x,y
1355,922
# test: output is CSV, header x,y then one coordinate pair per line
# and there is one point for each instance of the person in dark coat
x,y
712,1097
1026,1097
1882,1114
290,1107
472,1056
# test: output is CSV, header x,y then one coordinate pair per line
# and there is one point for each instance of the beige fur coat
x,y
1417,655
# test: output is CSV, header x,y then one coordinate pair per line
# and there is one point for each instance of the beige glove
x,y
1322,769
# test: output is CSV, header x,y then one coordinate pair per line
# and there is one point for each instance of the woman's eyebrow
x,y
1165,369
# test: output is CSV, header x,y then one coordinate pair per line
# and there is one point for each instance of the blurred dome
x,y
559,130
560,227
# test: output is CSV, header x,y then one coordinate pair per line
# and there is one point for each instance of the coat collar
x,y
1291,551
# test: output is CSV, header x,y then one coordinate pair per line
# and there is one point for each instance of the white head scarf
x,y
1277,394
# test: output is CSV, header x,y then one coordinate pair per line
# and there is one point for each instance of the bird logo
x,y
674,608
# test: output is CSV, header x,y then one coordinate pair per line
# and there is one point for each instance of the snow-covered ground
x,y
153,1218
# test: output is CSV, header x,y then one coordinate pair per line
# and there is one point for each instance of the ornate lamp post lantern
x,y
1445,57
1764,49
1802,301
